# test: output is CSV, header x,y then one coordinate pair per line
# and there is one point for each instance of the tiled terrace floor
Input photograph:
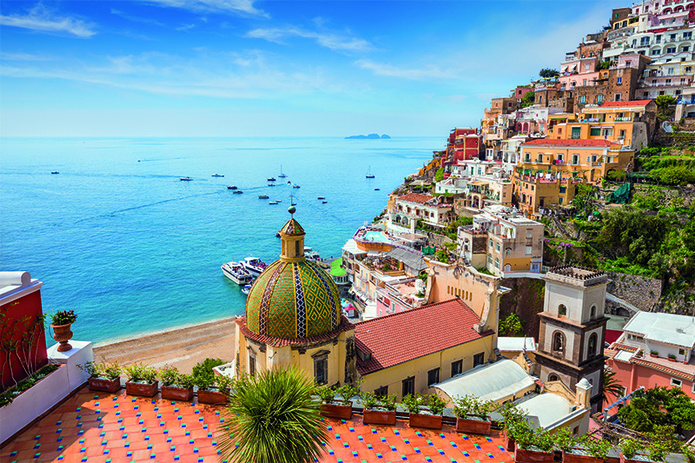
x,y
111,428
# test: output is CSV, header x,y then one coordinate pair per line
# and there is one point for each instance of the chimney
x,y
583,395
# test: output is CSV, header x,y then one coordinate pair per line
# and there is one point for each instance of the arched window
x,y
553,377
593,341
562,310
593,311
559,342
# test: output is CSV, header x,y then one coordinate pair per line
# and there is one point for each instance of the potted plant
x,y
672,357
142,380
653,353
628,449
333,407
533,446
512,418
581,450
102,376
418,405
379,410
61,321
472,415
175,386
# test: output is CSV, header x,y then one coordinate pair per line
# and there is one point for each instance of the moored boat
x,y
246,289
237,192
185,179
253,265
321,197
369,173
324,202
263,196
231,187
272,179
237,273
272,203
296,186
55,172
217,175
282,175
311,254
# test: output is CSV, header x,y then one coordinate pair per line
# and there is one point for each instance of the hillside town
x,y
528,293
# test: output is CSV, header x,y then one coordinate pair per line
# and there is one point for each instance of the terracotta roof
x,y
345,325
570,142
674,371
408,335
624,104
416,198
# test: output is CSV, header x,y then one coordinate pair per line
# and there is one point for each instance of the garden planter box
x,y
653,355
533,456
177,393
611,460
473,425
141,389
635,459
104,385
211,397
343,412
379,417
425,421
671,360
579,458
509,442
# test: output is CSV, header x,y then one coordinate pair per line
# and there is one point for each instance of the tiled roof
x,y
625,104
188,432
408,335
570,142
416,198
292,227
345,325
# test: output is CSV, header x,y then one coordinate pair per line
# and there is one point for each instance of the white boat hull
x,y
236,277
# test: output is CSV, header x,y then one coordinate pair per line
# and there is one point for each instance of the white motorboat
x,y
272,203
185,179
253,265
237,273
311,254
246,289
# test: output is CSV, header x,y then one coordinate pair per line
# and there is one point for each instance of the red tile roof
x,y
345,325
624,104
576,142
408,335
416,198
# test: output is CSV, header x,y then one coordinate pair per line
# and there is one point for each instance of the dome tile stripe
x,y
301,307
281,310
345,325
332,295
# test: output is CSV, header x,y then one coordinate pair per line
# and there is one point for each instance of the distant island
x,y
371,136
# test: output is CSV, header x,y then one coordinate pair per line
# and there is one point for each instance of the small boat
x,y
272,179
293,203
289,183
277,234
253,265
263,196
237,273
246,289
238,192
296,186
272,203
55,172
282,175
271,184
369,173
231,187
321,197
311,254
377,189
217,175
278,200
185,179
324,202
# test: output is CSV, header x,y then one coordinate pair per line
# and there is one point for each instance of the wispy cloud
x,y
185,27
388,70
244,7
8,56
331,40
135,19
41,19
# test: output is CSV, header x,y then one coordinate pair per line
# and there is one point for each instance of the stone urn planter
x,y
62,334
568,457
104,384
142,389
382,417
206,396
418,420
509,442
532,456
473,425
177,393
341,411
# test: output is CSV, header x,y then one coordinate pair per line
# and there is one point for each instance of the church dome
x,y
293,298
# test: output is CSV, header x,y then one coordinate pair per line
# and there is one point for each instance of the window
x,y
478,359
408,386
593,311
670,71
575,158
456,367
656,51
620,80
576,132
582,99
599,99
607,132
617,97
593,341
252,365
321,369
558,342
676,382
432,377
595,132
529,234
497,247
529,250
670,50
553,377
497,262
508,251
383,391
563,190
562,310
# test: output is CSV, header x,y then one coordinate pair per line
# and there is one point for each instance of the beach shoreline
x,y
182,346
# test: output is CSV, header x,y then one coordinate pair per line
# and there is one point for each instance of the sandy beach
x,y
181,347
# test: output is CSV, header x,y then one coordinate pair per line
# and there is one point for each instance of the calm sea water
x,y
118,238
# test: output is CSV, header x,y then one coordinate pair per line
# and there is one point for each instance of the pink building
x,y
578,72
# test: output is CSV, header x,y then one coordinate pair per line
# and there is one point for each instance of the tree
x,y
272,418
651,409
611,386
673,175
547,72
664,101
511,325
585,200
528,99
439,176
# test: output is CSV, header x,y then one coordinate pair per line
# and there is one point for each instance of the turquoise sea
x,y
117,237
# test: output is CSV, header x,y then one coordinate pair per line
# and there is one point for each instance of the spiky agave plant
x,y
272,418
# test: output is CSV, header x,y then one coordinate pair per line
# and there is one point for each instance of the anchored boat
x,y
237,273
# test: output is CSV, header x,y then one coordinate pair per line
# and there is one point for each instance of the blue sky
x,y
273,68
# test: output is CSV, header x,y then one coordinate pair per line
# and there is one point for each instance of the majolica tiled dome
x,y
293,298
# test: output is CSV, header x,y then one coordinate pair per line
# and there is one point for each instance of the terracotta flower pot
x,y
379,417
671,359
509,441
425,421
532,456
104,384
473,425
653,355
142,389
211,397
342,412
577,458
177,393
62,334
624,459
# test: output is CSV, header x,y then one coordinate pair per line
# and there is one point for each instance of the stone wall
x,y
526,300
642,292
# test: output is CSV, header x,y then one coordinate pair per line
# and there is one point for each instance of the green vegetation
x,y
604,65
674,175
439,176
512,325
528,99
651,409
616,176
7,396
585,201
664,101
547,72
611,386
442,256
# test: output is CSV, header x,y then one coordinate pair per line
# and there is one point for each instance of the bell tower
x,y
292,240
573,328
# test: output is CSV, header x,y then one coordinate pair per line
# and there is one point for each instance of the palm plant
x,y
611,386
272,418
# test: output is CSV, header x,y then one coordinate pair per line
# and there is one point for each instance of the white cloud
x,y
41,19
331,40
214,6
6,56
185,27
135,19
388,70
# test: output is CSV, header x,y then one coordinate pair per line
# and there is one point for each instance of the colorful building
x,y
463,144
405,211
